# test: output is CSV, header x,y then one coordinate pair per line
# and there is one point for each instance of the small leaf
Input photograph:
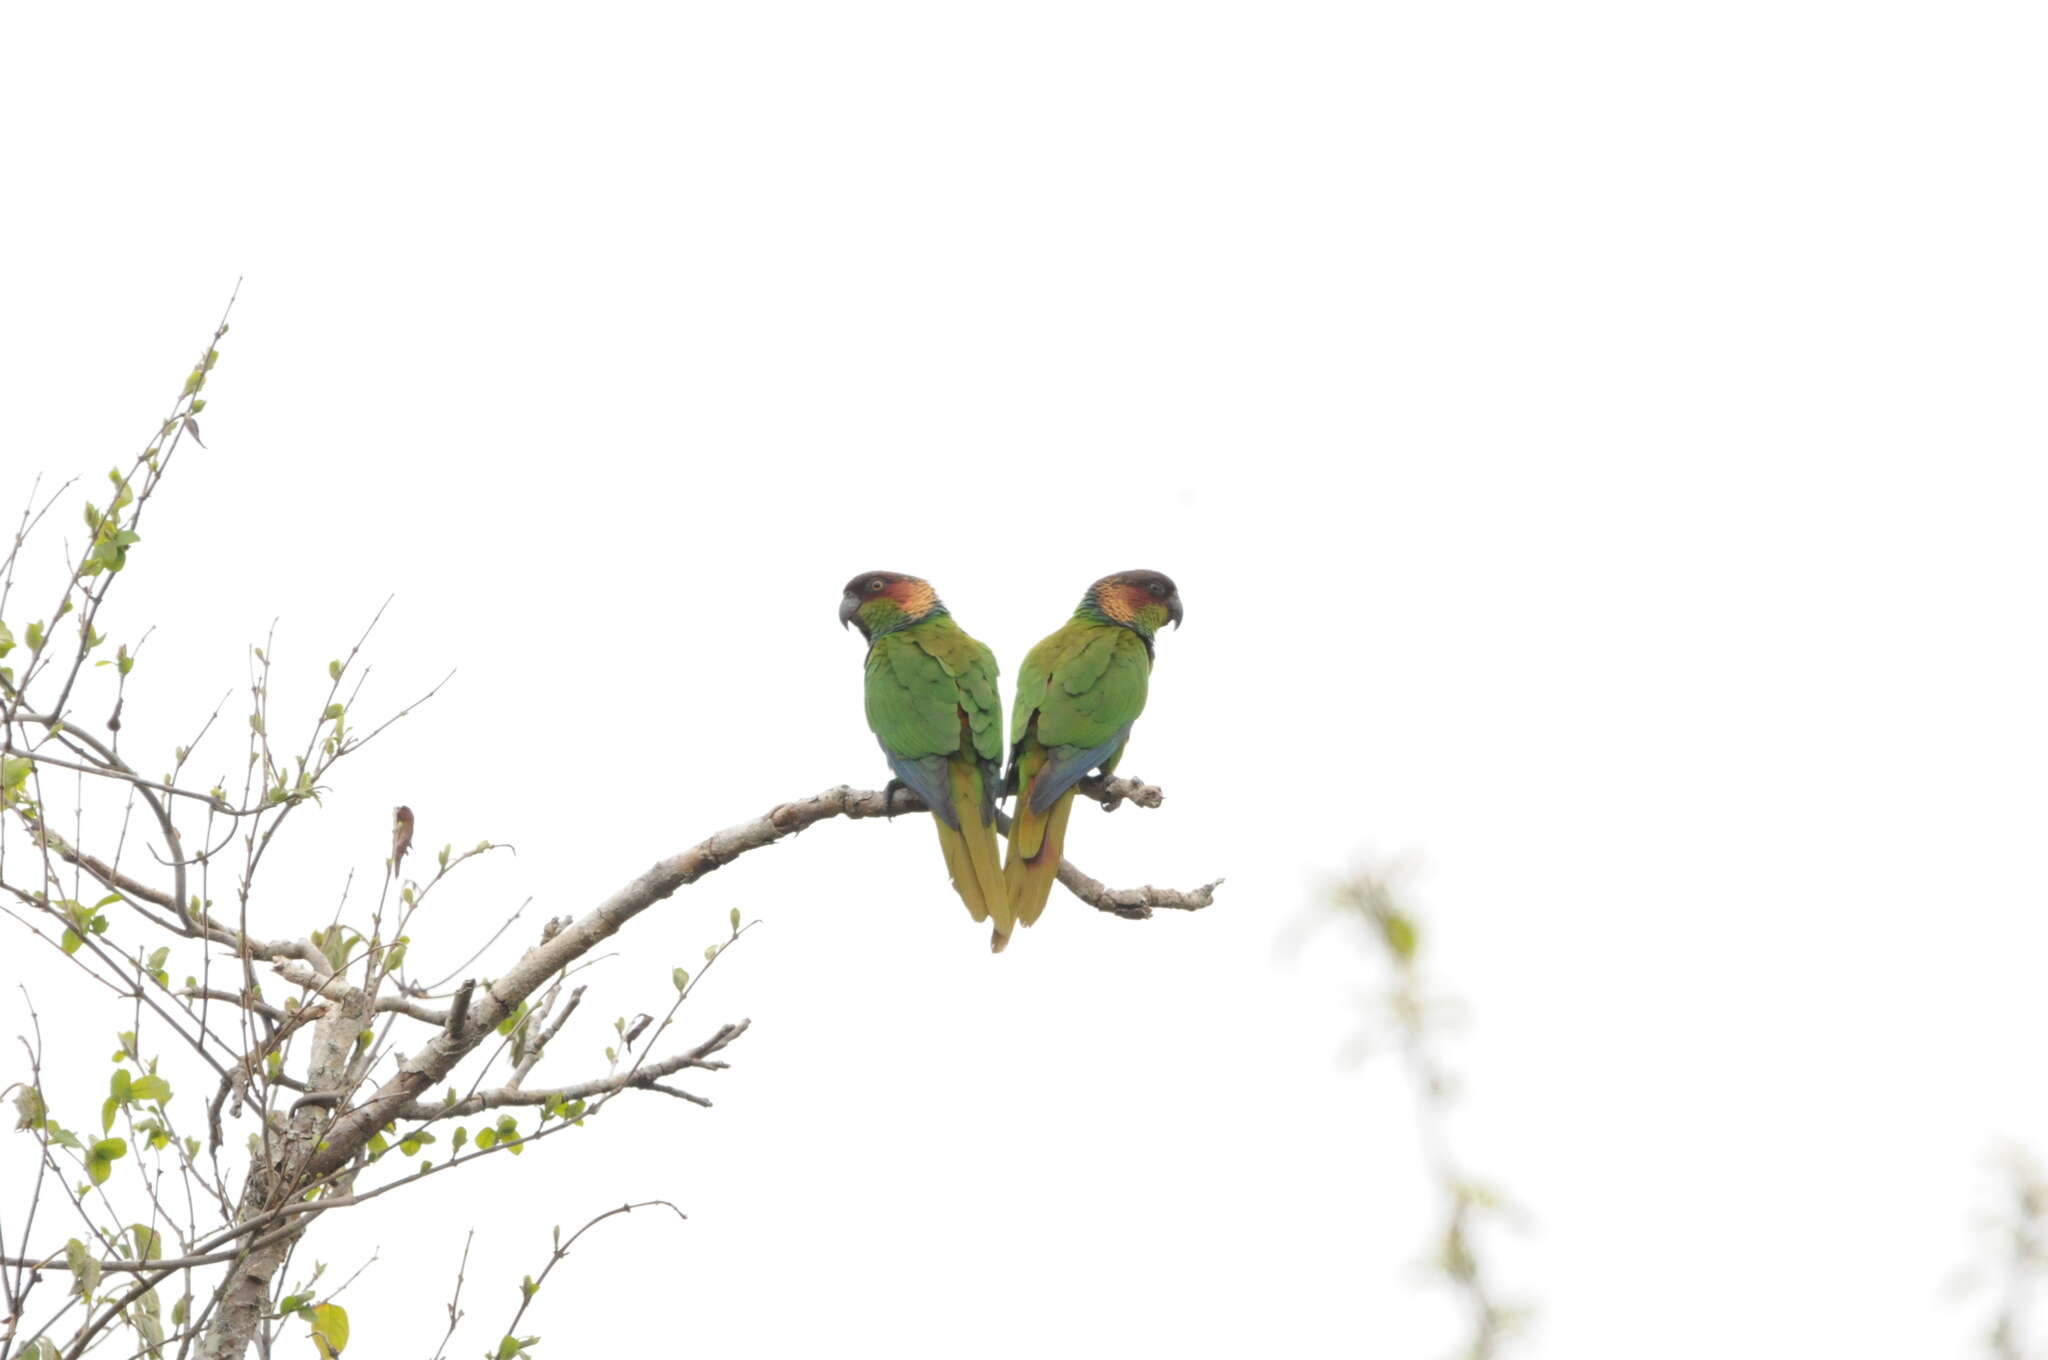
x,y
334,670
100,1159
330,1330
14,773
149,1244
681,978
1400,933
85,1268
735,918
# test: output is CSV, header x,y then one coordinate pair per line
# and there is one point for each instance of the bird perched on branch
x,y
1077,696
932,703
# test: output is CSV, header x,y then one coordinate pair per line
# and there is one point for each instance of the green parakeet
x,y
1077,696
933,705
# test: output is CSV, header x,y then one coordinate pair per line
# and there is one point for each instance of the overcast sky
x,y
1599,449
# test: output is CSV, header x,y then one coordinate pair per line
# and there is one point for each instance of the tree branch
x,y
642,1078
439,1056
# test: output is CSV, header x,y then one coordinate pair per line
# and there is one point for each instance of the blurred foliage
x,y
1406,1016
2014,1229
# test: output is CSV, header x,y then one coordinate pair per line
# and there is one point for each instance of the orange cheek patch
x,y
916,597
1123,602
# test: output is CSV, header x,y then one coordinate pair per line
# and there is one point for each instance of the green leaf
x,y
35,637
6,639
14,773
85,1268
527,1288
151,1087
735,918
486,1138
681,978
145,1317
334,712
100,1159
1400,933
330,1330
149,1244
334,670
121,1086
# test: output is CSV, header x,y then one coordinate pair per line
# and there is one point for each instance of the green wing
x,y
1084,685
919,683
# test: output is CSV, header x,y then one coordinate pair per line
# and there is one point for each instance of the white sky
x,y
1599,449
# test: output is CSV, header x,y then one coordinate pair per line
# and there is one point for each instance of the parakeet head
x,y
1144,601
879,602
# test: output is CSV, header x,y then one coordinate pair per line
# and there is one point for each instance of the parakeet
x,y
933,705
1077,696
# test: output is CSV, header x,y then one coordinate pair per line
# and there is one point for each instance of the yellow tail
x,y
1033,865
972,856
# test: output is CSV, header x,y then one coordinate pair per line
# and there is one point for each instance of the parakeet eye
x,y
875,586
1158,589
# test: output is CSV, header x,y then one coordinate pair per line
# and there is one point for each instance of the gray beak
x,y
848,606
1173,609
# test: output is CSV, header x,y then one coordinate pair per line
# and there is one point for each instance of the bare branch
x,y
644,1078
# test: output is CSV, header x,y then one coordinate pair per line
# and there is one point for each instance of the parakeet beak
x,y
848,606
1173,609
